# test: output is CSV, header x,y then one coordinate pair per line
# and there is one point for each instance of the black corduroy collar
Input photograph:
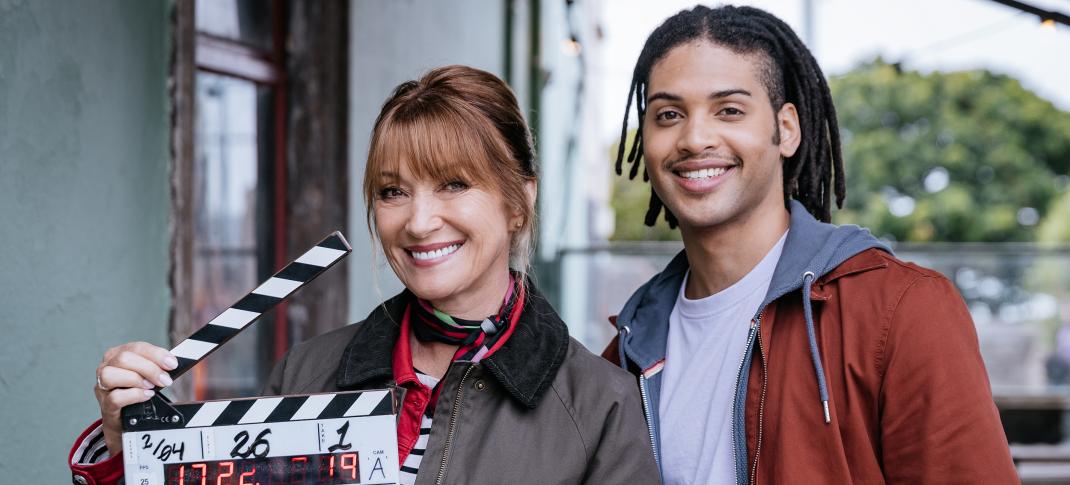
x,y
525,365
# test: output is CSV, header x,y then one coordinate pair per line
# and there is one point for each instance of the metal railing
x,y
1018,295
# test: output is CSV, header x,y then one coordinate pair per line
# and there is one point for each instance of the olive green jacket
x,y
540,410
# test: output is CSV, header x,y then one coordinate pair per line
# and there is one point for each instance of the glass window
x,y
246,21
232,244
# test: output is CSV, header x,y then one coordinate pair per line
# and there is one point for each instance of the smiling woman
x,y
496,391
450,186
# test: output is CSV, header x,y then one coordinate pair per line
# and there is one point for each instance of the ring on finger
x,y
100,385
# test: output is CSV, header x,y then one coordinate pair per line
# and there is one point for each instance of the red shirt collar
x,y
404,373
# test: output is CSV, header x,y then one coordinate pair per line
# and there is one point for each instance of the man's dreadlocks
x,y
788,72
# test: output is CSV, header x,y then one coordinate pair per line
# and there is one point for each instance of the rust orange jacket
x,y
897,360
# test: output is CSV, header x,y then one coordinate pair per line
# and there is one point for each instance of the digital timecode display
x,y
328,468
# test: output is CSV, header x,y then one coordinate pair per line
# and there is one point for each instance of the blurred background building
x,y
159,158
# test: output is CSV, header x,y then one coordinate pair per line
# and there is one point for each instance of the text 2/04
x,y
163,450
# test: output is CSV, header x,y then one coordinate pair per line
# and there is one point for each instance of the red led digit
x,y
181,475
204,472
228,474
298,463
352,466
332,467
250,473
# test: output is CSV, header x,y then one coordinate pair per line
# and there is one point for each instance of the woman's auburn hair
x,y
457,123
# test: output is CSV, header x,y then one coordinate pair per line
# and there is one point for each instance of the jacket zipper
x,y
761,402
649,423
739,377
453,426
646,402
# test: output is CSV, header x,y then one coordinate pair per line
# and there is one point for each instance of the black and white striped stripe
x,y
289,408
92,449
236,318
411,467
278,409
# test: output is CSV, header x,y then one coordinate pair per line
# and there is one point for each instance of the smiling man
x,y
778,348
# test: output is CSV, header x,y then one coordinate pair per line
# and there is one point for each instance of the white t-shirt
x,y
707,339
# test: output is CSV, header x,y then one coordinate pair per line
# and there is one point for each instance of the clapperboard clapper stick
x,y
333,438
239,316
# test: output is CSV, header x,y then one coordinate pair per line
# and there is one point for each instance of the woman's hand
x,y
127,375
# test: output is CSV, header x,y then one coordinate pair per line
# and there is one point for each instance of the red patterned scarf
x,y
476,339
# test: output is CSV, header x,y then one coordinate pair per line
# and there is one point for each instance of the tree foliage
x,y
959,156
1056,226
630,201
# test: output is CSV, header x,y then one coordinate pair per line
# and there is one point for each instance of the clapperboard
x,y
330,438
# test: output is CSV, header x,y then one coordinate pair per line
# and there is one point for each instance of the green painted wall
x,y
84,204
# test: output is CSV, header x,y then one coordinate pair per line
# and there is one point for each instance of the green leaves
x,y
995,155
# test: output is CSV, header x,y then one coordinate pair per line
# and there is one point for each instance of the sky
x,y
946,35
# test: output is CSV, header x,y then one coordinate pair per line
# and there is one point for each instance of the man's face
x,y
709,133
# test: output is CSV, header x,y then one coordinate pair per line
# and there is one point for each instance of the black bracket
x,y
154,414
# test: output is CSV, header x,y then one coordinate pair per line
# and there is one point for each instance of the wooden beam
x,y
317,169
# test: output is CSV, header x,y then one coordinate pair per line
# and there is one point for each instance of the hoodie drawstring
x,y
815,355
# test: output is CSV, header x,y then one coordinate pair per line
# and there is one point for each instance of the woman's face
x,y
448,242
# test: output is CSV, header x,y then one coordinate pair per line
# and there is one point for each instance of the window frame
x,y
194,52
311,160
